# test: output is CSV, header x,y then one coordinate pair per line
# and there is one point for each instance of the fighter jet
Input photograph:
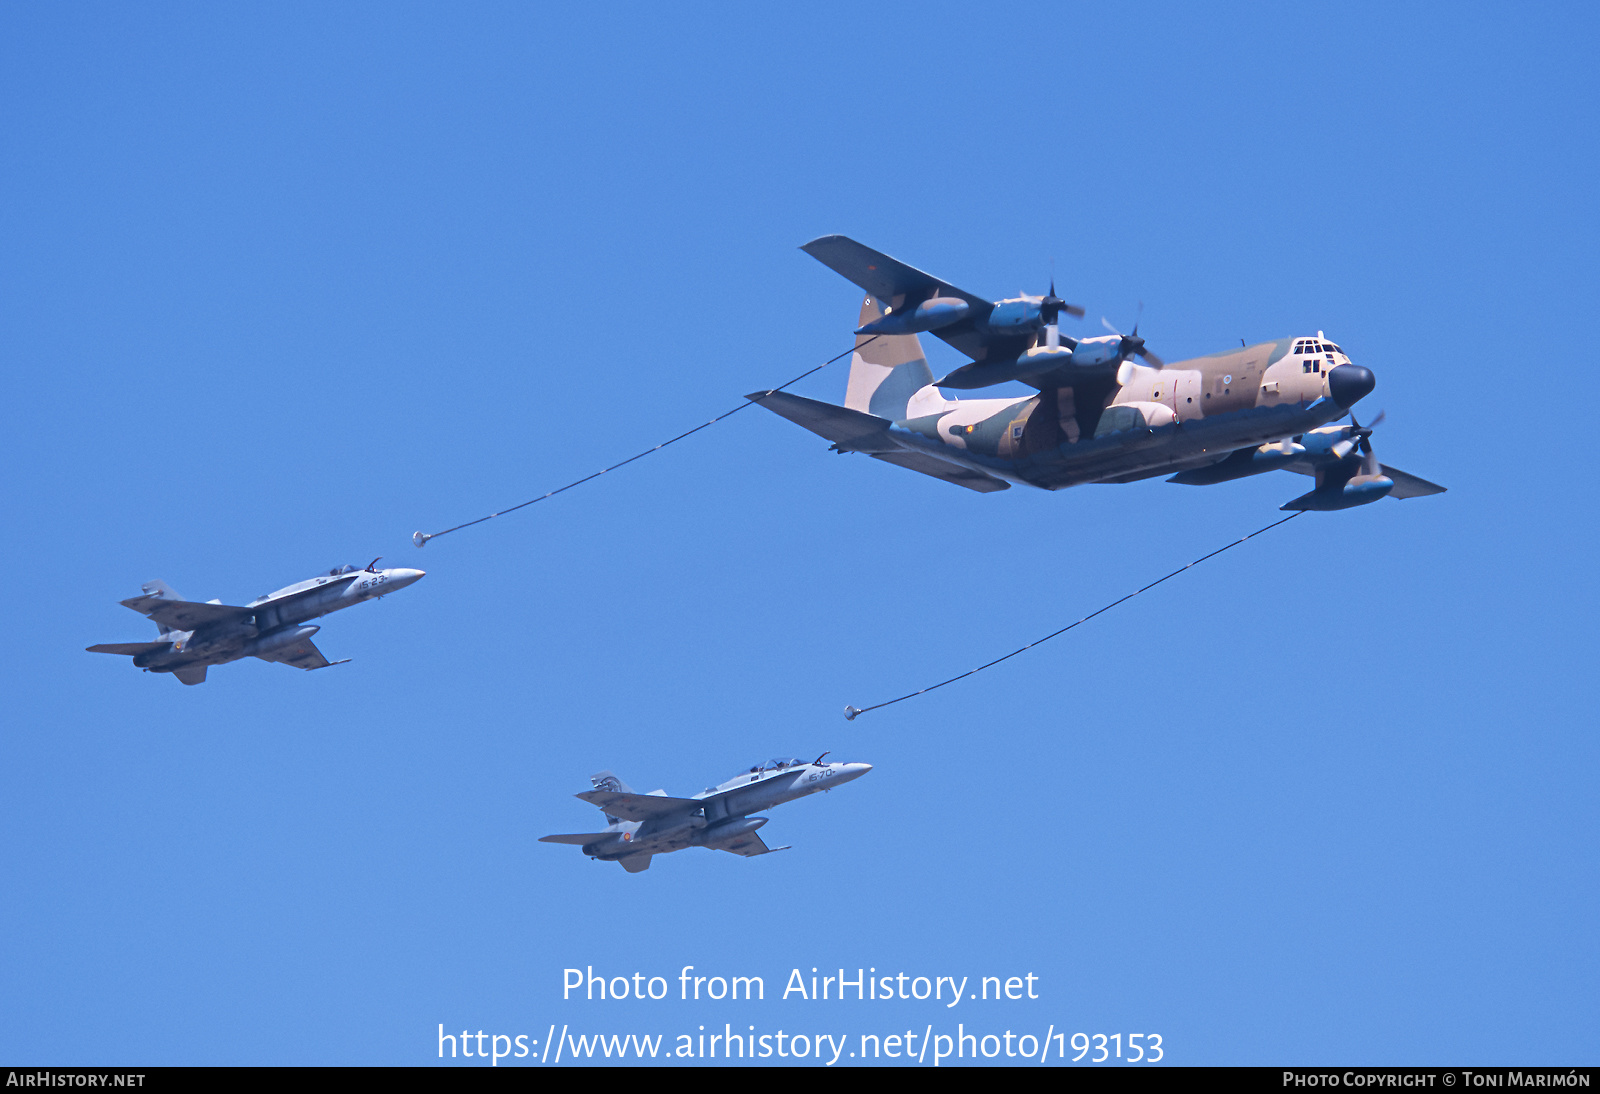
x,y
1099,415
195,636
639,826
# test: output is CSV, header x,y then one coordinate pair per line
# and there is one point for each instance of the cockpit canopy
x,y
340,571
780,764
1312,345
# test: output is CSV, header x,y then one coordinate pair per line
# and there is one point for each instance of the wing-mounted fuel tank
x,y
1043,366
932,314
1244,462
277,640
727,830
1351,481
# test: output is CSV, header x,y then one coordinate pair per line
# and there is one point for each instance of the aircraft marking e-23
x,y
195,635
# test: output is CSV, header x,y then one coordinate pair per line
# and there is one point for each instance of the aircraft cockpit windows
x,y
780,764
340,571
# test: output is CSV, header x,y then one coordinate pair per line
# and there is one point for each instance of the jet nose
x,y
852,771
399,578
1350,383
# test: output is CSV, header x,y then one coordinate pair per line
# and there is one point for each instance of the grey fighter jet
x,y
195,636
641,825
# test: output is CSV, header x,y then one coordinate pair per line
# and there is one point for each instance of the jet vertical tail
x,y
888,373
607,781
165,592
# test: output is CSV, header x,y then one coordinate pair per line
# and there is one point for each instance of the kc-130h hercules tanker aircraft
x,y
641,825
195,636
1100,415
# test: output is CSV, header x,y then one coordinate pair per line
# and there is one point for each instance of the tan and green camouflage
x,y
1201,421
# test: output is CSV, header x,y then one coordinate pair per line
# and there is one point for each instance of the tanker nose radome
x,y
1348,384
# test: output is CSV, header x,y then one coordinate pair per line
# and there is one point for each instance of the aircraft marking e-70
x,y
639,826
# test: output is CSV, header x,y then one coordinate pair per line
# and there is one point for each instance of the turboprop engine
x,y
1353,477
1246,461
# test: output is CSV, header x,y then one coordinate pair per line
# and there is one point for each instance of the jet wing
x,y
186,615
849,430
748,845
301,655
1409,486
941,469
637,807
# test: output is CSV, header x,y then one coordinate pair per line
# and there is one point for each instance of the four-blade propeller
x,y
1132,344
1360,436
1050,309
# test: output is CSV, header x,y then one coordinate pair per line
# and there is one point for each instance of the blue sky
x,y
285,283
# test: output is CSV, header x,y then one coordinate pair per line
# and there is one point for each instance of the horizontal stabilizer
x,y
637,807
129,649
193,674
635,863
1409,486
577,838
849,430
941,469
185,615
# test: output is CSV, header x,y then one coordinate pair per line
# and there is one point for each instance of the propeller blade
x,y
1106,323
1152,359
1051,306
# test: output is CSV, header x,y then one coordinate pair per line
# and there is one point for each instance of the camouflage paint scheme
x,y
1100,415
195,636
641,825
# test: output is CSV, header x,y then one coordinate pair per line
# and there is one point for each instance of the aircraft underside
x,y
1130,455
